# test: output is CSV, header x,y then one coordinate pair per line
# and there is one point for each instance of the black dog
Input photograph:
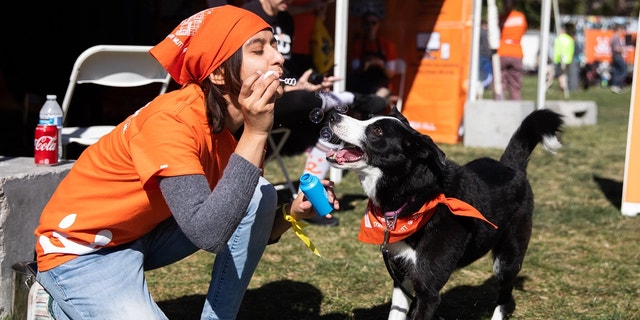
x,y
415,212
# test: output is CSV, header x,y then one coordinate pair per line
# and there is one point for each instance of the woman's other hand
x,y
301,207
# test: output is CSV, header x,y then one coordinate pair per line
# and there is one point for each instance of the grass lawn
x,y
583,260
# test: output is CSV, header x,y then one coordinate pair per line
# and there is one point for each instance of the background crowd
x,y
37,60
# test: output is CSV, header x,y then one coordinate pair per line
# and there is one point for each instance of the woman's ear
x,y
217,77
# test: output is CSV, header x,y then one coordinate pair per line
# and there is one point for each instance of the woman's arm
x,y
208,218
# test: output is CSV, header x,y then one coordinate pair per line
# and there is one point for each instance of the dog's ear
x,y
435,155
397,114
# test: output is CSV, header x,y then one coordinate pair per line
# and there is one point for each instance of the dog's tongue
x,y
345,155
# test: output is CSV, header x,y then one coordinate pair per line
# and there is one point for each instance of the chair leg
x,y
276,147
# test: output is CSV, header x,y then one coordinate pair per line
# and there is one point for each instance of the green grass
x,y
583,260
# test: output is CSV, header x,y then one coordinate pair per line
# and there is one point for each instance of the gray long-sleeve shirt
x,y
208,218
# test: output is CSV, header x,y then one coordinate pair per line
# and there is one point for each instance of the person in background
x,y
485,72
513,25
173,179
293,108
305,13
618,64
372,59
563,52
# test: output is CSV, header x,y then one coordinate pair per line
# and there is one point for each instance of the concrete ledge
x,y
575,113
24,190
490,123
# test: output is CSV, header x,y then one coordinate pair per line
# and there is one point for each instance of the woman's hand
x,y
301,207
257,99
254,107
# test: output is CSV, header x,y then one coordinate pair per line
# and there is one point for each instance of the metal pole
x,y
340,59
544,52
472,94
494,43
340,44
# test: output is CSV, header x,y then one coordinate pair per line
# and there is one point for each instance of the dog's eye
x,y
377,131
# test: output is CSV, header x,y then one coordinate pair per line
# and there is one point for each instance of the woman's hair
x,y
214,94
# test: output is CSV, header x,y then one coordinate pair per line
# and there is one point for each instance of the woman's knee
x,y
265,198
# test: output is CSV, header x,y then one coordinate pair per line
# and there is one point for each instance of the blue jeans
x,y
485,72
110,283
618,70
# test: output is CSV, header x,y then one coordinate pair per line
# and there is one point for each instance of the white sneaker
x,y
38,303
616,89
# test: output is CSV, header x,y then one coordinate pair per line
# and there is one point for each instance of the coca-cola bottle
x,y
51,114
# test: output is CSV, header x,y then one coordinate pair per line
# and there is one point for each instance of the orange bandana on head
x,y
202,42
374,224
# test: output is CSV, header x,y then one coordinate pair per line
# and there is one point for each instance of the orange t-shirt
x,y
304,26
111,196
513,28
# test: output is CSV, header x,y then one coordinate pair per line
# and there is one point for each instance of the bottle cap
x,y
51,96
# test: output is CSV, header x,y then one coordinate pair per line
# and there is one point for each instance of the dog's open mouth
x,y
345,155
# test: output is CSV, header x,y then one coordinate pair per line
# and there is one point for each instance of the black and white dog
x,y
432,216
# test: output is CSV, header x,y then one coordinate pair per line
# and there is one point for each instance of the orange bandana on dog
x,y
374,224
202,42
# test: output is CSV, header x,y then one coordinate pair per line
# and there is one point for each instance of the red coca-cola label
x,y
45,145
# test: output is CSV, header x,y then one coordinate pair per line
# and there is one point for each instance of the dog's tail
x,y
541,126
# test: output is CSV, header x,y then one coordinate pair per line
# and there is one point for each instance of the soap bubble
x,y
330,101
316,115
326,133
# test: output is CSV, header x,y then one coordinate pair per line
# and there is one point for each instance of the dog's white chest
x,y
369,178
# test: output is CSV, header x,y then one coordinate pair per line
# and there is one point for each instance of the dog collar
x,y
374,223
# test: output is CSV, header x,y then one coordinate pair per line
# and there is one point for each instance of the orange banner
x,y
437,43
597,48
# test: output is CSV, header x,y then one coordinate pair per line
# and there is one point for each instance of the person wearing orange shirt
x,y
305,13
513,25
372,59
173,178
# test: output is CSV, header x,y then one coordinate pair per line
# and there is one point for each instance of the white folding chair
x,y
111,66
